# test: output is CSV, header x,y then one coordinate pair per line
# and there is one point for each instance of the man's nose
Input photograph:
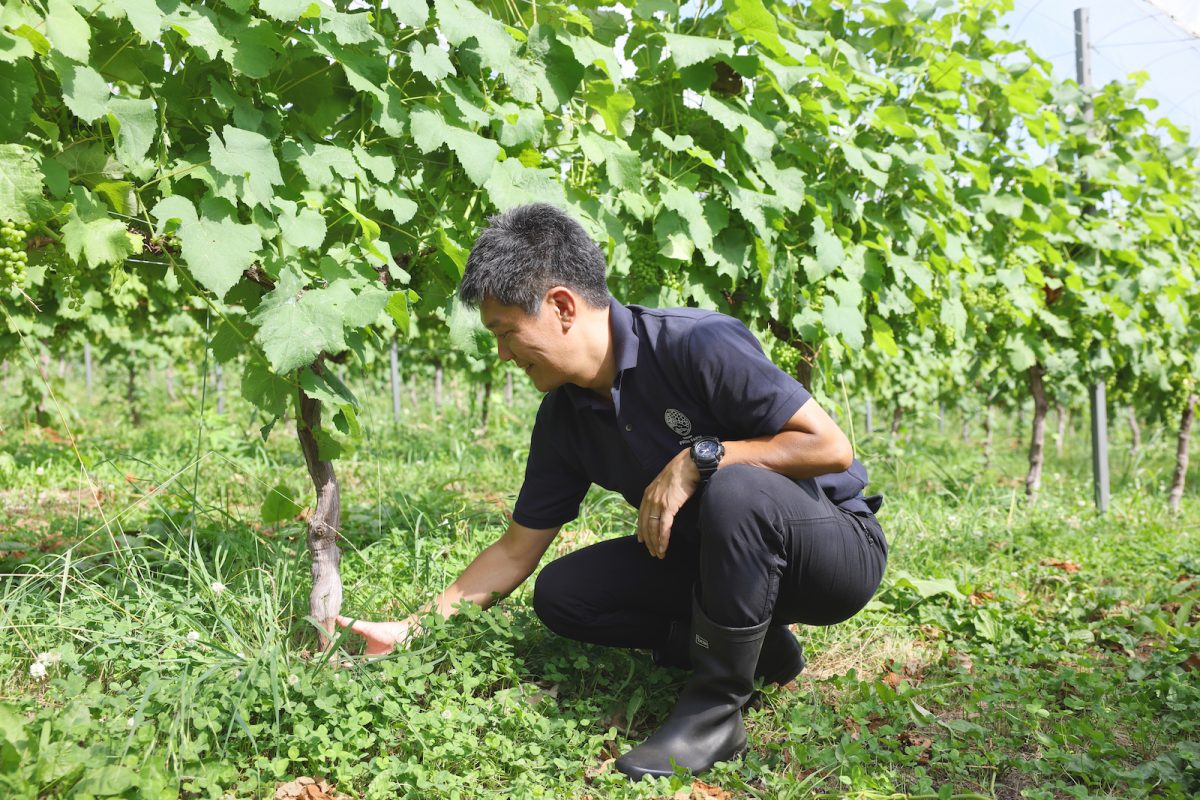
x,y
504,352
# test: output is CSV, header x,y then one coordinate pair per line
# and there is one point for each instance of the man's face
x,y
534,343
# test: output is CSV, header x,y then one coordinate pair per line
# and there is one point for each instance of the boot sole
x,y
637,775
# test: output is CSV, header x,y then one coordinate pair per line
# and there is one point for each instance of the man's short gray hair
x,y
527,250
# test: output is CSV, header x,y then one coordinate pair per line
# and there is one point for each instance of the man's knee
x,y
550,601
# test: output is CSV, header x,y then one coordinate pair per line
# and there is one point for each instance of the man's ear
x,y
562,301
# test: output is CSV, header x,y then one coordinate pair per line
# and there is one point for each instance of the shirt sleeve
x,y
554,484
732,375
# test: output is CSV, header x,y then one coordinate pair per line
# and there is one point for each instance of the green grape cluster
x,y
673,279
643,270
12,250
786,357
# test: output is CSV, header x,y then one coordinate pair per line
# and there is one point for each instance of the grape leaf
x,y
85,91
20,182
689,50
685,203
513,184
135,125
279,506
17,89
248,155
477,154
412,13
588,52
91,233
754,23
430,60
287,10
460,21
68,31
144,16
303,228
216,251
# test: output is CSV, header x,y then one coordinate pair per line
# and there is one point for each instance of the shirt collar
x,y
625,351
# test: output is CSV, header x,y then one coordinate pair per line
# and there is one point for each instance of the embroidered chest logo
x,y
677,422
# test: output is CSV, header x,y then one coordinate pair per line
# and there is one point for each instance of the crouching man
x,y
750,507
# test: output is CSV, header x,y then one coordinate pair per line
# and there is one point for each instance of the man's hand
x,y
382,637
662,500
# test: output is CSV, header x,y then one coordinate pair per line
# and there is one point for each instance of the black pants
x,y
755,544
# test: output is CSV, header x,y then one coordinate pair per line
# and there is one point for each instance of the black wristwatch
x,y
707,452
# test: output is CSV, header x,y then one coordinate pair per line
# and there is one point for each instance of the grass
x,y
1014,650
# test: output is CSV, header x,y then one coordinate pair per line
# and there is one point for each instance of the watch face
x,y
707,450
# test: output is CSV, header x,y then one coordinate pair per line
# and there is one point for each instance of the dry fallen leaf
x,y
910,739
1192,664
706,791
308,788
891,679
1065,566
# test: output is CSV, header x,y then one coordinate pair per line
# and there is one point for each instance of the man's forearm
x,y
493,573
792,453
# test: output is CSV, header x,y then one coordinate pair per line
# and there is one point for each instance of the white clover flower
x,y
217,587
293,680
193,637
40,471
447,714
131,722
237,675
49,658
37,670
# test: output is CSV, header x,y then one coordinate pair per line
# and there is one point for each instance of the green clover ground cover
x,y
159,649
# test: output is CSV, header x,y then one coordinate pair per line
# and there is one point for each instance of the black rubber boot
x,y
780,661
706,724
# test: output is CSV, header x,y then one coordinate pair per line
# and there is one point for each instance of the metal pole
x,y
1083,74
1100,444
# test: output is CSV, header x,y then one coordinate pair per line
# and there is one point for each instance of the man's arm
x,y
810,444
498,570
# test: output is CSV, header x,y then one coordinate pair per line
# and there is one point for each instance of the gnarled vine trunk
x,y
1037,443
485,402
987,437
1181,453
135,414
1135,431
1059,435
897,413
325,600
437,384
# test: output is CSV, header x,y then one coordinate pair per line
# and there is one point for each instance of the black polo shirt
x,y
682,373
